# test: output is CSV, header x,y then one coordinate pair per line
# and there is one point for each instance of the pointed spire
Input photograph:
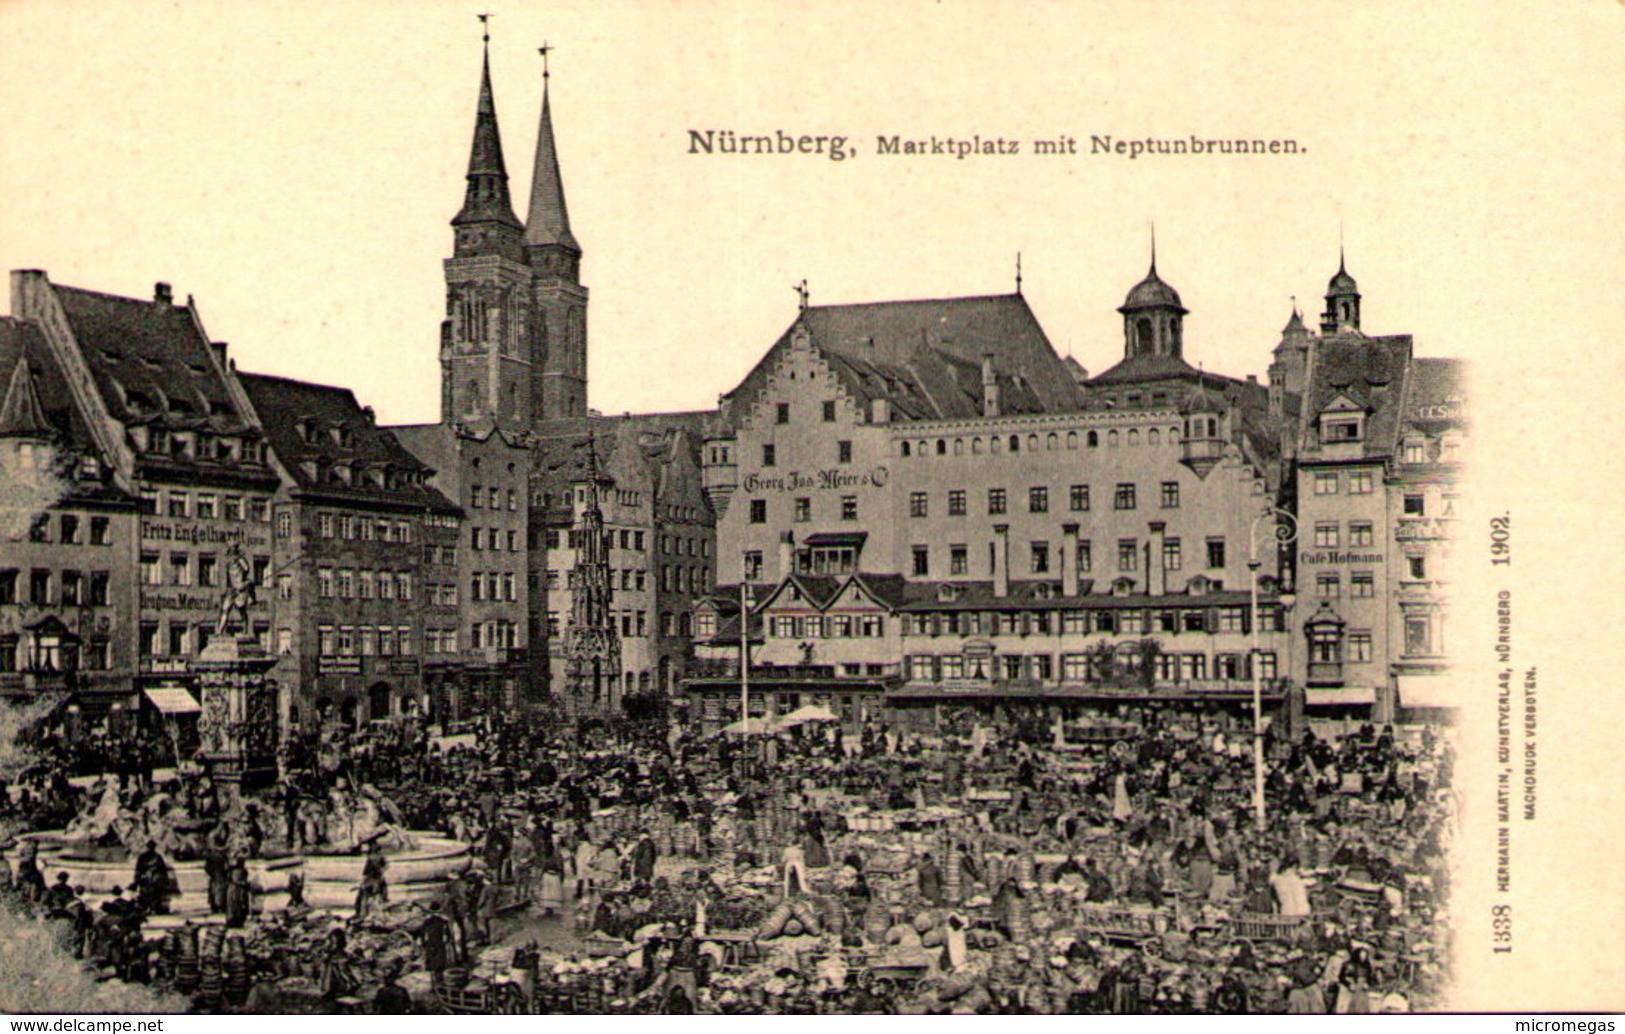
x,y
21,415
1153,248
549,220
486,199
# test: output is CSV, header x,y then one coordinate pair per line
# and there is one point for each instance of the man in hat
x,y
152,880
438,944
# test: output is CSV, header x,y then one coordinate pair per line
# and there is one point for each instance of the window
x,y
101,533
753,565
922,561
1123,498
1416,567
69,525
98,588
72,587
1415,506
1362,585
758,511
180,569
770,455
1340,429
956,502
1193,620
1327,585
177,504
1085,557
1415,451
958,560
1232,619
177,639
205,505
1172,560
1078,498
346,583
782,411
1359,644
916,504
995,501
1170,495
149,500
324,524
1215,552
324,582
1418,634
1040,553
1041,667
829,411
1128,555
849,507
206,568
151,571
843,452
1326,483
1038,499
1326,534
347,526
1360,533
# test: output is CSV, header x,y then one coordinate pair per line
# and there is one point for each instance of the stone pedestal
x,y
237,728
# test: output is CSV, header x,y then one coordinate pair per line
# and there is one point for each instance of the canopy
x,y
1428,691
172,700
809,713
749,727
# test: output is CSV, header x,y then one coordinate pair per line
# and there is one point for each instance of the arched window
x,y
976,446
905,448
1072,440
1032,443
1094,439
995,444
1015,443
942,447
1133,436
1111,438
959,446
1052,441
1143,338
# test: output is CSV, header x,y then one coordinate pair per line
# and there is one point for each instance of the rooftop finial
x,y
1294,305
1153,247
485,29
544,50
801,294
1018,272
1341,268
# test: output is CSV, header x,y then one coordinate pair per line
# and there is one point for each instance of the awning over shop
x,y
1340,696
1427,691
172,700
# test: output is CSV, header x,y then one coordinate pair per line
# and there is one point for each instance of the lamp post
x,y
744,657
1286,530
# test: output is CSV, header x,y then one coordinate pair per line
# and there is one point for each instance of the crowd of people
x,y
997,861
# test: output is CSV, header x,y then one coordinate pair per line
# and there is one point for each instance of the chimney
x,y
787,552
1001,560
990,387
1155,577
1069,560
1252,378
161,294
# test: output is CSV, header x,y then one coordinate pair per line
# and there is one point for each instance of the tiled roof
x,y
925,356
1434,389
314,429
1369,370
151,362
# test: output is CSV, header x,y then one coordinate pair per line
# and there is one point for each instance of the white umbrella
x,y
747,727
809,713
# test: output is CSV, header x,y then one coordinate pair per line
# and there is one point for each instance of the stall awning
x,y
1427,691
172,700
1341,696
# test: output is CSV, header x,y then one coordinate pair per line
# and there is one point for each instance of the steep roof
x,y
315,429
487,197
151,362
1369,370
925,356
21,415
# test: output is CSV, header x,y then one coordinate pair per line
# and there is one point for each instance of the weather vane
x,y
801,293
544,50
485,25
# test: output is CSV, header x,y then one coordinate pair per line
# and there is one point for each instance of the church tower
x,y
559,301
485,360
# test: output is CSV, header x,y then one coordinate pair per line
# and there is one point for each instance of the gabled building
x,y
1380,434
68,533
172,428
364,546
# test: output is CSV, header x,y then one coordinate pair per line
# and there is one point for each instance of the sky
x,y
294,167
295,170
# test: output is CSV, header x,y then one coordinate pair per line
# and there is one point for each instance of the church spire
x,y
486,199
549,220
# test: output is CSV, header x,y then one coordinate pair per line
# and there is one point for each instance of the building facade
x,y
363,545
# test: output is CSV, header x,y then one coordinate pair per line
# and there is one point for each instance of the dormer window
x,y
307,430
1415,450
1342,427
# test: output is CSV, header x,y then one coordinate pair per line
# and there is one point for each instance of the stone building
x,y
365,550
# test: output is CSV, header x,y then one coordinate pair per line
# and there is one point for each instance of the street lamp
x,y
744,654
1286,531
